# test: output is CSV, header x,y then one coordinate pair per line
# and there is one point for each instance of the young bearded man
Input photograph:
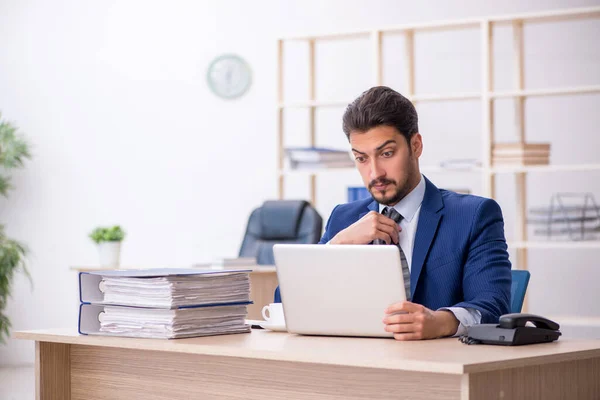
x,y
451,245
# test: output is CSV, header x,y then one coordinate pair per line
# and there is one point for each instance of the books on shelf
x,y
318,157
507,154
519,148
507,161
319,165
164,303
460,163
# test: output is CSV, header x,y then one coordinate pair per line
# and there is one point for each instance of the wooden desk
x,y
269,365
263,281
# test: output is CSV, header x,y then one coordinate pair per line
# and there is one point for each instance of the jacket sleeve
x,y
328,235
487,275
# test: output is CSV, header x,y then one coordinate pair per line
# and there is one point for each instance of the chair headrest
x,y
280,219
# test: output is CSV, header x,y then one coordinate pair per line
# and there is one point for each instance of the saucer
x,y
275,327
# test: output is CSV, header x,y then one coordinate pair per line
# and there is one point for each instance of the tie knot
x,y
391,212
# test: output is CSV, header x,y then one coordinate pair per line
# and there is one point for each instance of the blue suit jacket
x,y
459,257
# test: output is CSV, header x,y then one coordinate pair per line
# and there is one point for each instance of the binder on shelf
x,y
318,157
303,165
316,154
357,193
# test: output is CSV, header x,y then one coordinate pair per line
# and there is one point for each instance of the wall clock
x,y
229,76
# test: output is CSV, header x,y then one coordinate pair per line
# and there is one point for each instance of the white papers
x,y
164,303
172,324
177,290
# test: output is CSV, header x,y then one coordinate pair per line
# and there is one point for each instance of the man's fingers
x,y
408,336
399,319
388,221
383,236
393,234
402,328
404,306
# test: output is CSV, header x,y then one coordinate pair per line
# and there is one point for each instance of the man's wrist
x,y
334,240
448,322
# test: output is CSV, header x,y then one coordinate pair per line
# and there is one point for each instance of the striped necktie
x,y
391,212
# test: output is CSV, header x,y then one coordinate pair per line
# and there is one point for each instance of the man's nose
x,y
376,171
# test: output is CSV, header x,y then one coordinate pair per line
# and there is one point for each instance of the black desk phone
x,y
512,330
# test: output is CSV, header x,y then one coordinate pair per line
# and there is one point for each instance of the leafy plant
x,y
109,234
13,152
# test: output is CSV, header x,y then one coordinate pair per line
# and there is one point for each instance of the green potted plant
x,y
13,152
109,241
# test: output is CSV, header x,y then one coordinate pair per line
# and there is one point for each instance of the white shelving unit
x,y
487,95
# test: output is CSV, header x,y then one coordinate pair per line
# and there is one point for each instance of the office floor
x,y
17,383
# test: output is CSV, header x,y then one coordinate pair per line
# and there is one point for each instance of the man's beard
x,y
390,200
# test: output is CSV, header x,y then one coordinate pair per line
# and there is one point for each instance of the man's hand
x,y
370,227
419,322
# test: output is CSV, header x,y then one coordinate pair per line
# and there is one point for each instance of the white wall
x,y
113,97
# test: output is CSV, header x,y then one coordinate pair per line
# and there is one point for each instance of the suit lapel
x,y
373,206
429,219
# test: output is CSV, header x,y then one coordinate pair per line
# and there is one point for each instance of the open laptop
x,y
338,290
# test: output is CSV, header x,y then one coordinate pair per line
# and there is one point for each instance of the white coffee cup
x,y
275,313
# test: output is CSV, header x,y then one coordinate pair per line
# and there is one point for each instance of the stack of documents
x,y
315,157
167,303
175,323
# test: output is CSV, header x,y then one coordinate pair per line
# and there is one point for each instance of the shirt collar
x,y
408,206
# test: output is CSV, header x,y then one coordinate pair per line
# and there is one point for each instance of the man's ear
x,y
416,144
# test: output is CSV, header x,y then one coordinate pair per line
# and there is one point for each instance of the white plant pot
x,y
110,253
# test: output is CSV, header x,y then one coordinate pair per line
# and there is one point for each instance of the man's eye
x,y
360,159
387,154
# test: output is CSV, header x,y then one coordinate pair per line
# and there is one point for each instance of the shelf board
x,y
428,169
315,103
589,244
421,98
316,171
546,168
433,97
471,23
424,169
546,92
550,16
329,36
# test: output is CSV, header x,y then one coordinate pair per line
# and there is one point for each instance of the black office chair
x,y
280,221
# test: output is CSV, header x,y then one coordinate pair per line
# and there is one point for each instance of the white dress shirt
x,y
410,207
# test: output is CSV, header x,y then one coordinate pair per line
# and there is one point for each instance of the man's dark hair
x,y
381,105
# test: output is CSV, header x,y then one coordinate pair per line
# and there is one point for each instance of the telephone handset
x,y
511,321
512,330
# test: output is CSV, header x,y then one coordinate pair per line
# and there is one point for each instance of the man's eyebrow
x,y
378,148
385,144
